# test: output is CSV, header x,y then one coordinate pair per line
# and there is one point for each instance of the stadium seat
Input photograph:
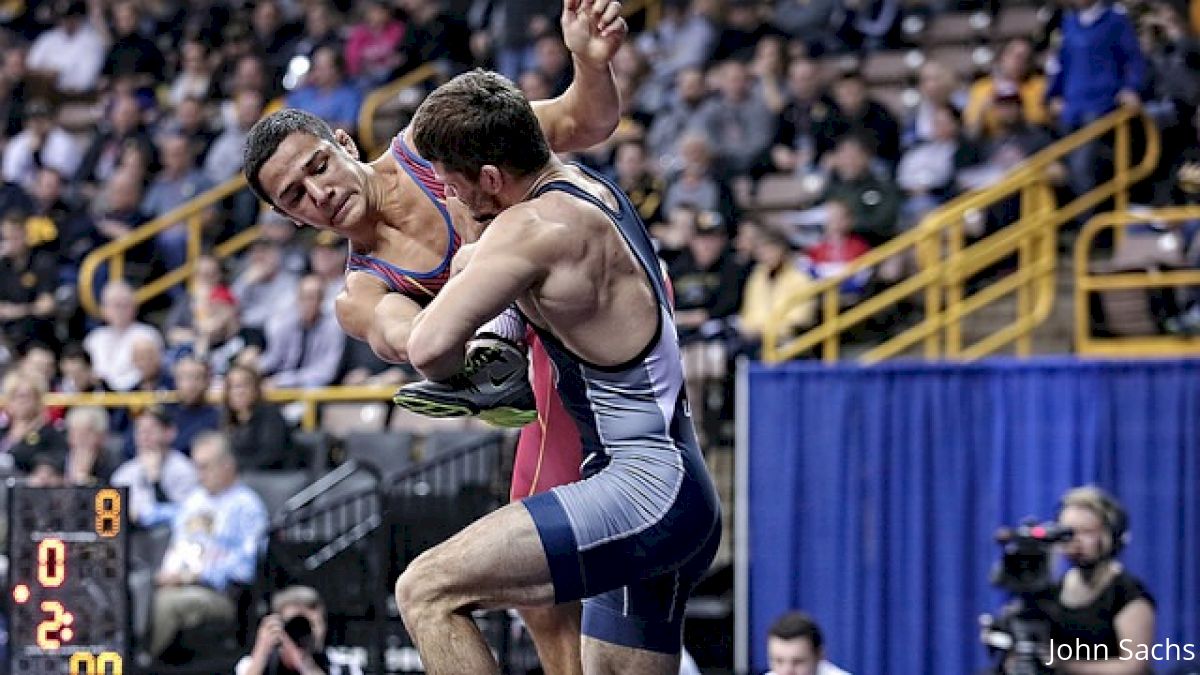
x,y
275,487
387,451
312,450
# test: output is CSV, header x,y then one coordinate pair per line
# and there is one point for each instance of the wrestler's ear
x,y
491,179
346,143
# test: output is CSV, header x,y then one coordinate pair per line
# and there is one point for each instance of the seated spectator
x,y
696,183
857,114
795,646
221,340
216,540
295,610
42,142
28,280
131,53
87,461
645,189
28,433
189,119
285,233
111,344
69,230
938,87
322,28
708,292
72,52
434,34
192,413
553,62
797,145
274,37
304,341
1013,72
78,376
224,158
677,44
15,89
177,183
327,94
807,19
682,112
147,355
770,292
38,361
867,24
874,200
119,209
840,245
47,472
743,32
195,77
327,261
257,431
207,277
928,171
122,126
737,122
264,285
372,48
158,478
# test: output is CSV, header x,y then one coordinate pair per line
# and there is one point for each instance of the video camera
x,y
1021,632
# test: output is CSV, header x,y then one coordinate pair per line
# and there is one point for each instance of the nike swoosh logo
x,y
503,380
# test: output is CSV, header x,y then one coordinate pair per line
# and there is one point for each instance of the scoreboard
x,y
68,574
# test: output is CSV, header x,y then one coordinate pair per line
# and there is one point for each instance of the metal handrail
x,y
945,263
1087,282
191,214
375,100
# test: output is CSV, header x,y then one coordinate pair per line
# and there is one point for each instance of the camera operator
x,y
1100,615
291,639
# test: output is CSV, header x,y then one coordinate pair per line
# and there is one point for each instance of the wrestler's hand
x,y
593,29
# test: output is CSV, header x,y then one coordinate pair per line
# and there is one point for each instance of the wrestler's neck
x,y
386,210
524,188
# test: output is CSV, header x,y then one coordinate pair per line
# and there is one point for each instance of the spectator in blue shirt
x,y
159,478
327,94
216,539
1098,67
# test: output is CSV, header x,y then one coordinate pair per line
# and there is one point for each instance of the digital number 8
x,y
108,512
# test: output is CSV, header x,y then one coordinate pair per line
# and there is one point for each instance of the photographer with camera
x,y
1101,616
1097,620
291,639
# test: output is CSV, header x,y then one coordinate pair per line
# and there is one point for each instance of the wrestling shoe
x,y
493,385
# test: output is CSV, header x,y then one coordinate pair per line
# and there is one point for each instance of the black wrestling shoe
x,y
493,385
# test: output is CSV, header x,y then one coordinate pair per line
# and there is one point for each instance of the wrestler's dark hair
x,y
266,135
480,118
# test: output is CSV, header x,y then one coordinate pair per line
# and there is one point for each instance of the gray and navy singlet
x,y
636,535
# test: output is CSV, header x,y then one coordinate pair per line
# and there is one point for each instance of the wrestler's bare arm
x,y
368,311
515,253
588,111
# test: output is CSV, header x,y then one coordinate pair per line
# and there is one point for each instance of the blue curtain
x,y
874,493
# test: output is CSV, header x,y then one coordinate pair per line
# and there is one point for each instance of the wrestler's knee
x,y
423,587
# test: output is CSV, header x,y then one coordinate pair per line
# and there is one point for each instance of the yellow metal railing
x,y
309,398
372,146
1087,281
191,215
944,263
